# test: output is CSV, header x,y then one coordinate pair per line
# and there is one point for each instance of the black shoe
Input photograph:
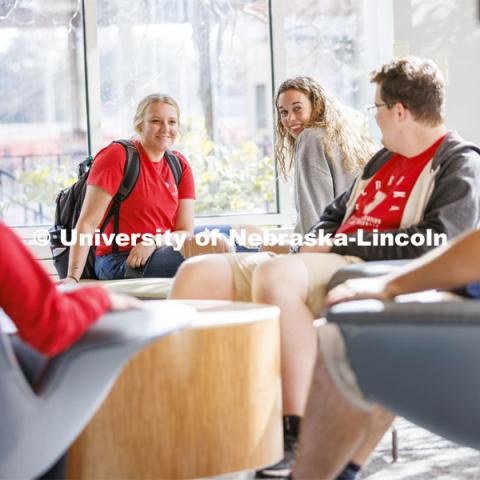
x,y
350,472
283,469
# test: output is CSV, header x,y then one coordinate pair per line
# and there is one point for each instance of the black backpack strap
x,y
113,208
131,170
130,177
131,173
175,166
85,166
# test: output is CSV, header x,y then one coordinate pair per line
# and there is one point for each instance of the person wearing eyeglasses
x,y
423,185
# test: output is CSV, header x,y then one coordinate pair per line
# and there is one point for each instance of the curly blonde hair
x,y
328,113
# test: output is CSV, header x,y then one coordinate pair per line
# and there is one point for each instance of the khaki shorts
x,y
319,266
332,346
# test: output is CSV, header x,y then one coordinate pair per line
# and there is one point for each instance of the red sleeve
x,y
186,189
107,168
48,320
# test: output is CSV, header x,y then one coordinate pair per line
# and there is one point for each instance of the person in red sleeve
x,y
46,319
155,205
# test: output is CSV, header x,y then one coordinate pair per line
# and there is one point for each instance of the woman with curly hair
x,y
317,139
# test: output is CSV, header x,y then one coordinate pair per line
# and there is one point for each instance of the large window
x,y
339,42
206,55
42,112
213,56
325,40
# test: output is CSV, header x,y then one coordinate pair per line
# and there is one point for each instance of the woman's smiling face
x,y
159,128
294,109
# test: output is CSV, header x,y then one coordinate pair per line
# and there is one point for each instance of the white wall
x,y
378,47
447,31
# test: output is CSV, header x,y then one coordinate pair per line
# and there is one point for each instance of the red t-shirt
x,y
48,320
153,203
382,202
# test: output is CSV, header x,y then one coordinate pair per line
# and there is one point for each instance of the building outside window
x,y
42,113
214,57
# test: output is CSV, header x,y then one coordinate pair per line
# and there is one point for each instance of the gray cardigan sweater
x,y
447,200
318,178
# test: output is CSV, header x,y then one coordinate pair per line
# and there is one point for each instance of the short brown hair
x,y
416,83
146,102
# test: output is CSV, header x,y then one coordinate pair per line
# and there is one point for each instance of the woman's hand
x,y
139,255
120,302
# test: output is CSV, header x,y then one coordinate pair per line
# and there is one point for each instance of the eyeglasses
x,y
376,106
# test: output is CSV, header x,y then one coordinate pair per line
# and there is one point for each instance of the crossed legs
x,y
334,431
282,280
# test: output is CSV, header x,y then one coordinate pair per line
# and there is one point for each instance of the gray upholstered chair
x,y
38,422
367,269
419,360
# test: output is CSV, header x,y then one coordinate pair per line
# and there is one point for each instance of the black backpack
x,y
70,200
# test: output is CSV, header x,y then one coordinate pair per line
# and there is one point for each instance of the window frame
x,y
93,98
378,24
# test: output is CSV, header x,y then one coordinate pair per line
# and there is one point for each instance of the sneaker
x,y
283,469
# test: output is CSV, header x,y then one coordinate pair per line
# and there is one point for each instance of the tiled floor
x,y
422,456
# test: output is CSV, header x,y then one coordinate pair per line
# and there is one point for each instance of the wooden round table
x,y
203,402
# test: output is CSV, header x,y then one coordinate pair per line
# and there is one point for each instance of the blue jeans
x,y
225,230
473,289
163,263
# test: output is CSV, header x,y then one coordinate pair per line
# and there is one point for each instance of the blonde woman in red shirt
x,y
155,205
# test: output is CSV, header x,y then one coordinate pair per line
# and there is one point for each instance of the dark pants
x,y
163,263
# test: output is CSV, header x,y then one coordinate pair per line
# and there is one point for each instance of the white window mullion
x,y
377,48
279,71
93,74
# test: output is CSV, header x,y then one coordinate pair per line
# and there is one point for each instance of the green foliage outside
x,y
41,186
3,208
228,179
